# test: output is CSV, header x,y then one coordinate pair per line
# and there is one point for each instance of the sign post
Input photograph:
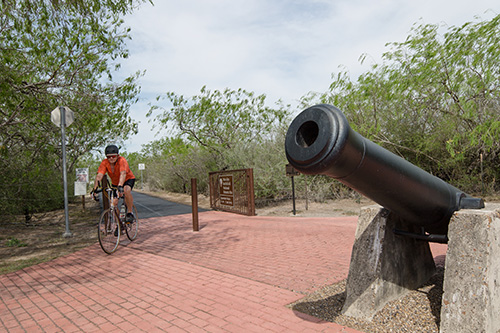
x,y
82,178
142,167
291,172
62,117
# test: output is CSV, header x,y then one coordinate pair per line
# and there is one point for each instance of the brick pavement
x,y
237,274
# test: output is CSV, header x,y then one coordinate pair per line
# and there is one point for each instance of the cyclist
x,y
122,178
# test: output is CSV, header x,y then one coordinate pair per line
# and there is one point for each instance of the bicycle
x,y
112,223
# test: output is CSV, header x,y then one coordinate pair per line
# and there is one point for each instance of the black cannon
x,y
320,141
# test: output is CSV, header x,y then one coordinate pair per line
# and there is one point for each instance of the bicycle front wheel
x,y
108,231
132,228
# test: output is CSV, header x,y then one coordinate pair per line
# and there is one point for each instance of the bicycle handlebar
x,y
99,190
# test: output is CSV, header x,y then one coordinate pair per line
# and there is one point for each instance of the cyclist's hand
x,y
93,194
120,191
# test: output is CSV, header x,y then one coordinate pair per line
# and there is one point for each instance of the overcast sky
x,y
281,48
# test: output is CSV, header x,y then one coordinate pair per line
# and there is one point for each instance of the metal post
x,y
67,233
194,202
482,182
293,194
307,192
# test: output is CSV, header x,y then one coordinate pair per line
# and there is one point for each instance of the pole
x,y
482,182
307,193
293,194
194,202
67,233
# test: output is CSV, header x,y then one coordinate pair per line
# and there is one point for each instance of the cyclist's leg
x,y
129,199
132,227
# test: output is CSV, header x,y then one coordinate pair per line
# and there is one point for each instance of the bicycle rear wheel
x,y
133,228
107,233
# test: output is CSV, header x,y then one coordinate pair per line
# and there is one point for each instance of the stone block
x,y
384,266
471,290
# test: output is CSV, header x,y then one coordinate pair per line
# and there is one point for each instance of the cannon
x,y
320,141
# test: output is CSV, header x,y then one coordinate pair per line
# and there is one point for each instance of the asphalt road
x,y
148,206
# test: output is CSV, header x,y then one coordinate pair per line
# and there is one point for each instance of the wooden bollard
x,y
194,204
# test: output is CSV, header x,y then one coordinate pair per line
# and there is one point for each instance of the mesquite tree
x,y
55,53
220,121
435,100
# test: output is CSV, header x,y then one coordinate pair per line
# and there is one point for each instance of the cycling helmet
x,y
111,149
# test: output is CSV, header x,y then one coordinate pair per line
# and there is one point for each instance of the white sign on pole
x,y
82,175
80,188
55,116
142,166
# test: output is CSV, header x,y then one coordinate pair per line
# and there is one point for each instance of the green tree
x,y
56,53
172,162
434,100
220,121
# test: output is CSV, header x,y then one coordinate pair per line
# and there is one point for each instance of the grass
x,y
23,263
12,242
23,245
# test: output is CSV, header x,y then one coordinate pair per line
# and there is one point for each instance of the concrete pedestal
x,y
471,298
384,266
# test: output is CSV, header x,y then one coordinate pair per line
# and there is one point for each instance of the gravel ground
x,y
419,311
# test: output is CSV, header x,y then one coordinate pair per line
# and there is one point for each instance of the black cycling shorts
x,y
129,182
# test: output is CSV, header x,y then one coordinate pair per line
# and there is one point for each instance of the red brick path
x,y
237,274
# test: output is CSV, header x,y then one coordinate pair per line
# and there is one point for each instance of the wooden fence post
x,y
194,204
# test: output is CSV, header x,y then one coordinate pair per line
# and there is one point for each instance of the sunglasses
x,y
112,156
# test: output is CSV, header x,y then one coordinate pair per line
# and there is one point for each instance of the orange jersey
x,y
120,165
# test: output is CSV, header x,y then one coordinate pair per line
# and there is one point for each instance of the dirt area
x,y
25,243
328,208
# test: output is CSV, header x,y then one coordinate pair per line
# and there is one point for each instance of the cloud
x,y
281,48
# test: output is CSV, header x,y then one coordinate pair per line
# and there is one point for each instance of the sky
x,y
281,48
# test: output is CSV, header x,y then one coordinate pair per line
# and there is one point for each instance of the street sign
x,y
55,116
142,166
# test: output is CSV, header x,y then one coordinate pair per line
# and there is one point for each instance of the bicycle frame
x,y
111,226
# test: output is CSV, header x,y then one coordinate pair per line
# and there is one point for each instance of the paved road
x,y
148,206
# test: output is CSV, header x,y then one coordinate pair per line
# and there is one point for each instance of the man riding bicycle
x,y
122,178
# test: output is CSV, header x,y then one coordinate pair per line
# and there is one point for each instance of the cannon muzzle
x,y
320,141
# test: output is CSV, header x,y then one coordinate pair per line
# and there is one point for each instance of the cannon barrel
x,y
320,141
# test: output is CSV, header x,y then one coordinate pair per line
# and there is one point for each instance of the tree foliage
x,y
435,100
60,53
230,129
220,121
172,162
